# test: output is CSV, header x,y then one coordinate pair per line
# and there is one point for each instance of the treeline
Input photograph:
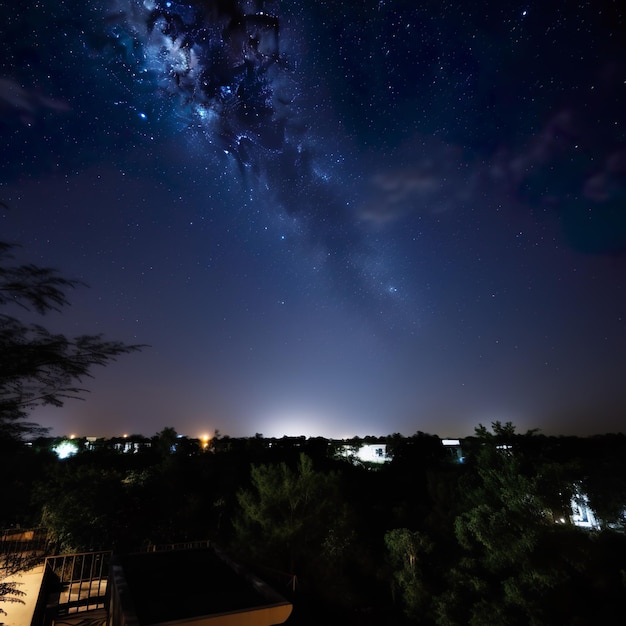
x,y
421,538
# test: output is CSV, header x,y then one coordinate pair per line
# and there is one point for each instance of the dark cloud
x,y
433,177
26,104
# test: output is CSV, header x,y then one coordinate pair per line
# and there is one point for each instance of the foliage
x,y
408,551
291,513
39,366
22,467
83,506
604,482
164,441
505,533
477,543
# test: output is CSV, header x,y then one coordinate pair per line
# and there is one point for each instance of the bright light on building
x,y
65,449
582,514
366,453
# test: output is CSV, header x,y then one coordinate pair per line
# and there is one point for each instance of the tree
x,y
406,550
603,481
165,441
37,366
83,506
512,563
287,515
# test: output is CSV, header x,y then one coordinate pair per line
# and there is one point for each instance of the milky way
x,y
219,64
226,72
386,215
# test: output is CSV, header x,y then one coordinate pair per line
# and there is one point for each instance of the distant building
x,y
582,514
453,446
364,452
373,453
129,445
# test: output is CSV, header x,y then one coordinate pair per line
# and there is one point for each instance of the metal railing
x,y
183,545
82,579
23,548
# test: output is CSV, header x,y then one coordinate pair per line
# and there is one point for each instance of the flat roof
x,y
174,585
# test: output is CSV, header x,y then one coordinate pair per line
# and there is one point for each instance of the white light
x,y
65,449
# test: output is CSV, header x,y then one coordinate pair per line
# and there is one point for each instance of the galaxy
x,y
327,218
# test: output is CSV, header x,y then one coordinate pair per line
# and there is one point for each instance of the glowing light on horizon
x,y
298,423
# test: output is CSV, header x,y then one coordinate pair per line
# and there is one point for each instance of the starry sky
x,y
327,218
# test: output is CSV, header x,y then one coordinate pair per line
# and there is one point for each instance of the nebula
x,y
221,64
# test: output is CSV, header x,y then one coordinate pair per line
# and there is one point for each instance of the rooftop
x,y
178,585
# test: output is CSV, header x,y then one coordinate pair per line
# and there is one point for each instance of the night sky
x,y
327,218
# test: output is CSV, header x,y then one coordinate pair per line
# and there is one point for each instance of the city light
x,y
65,448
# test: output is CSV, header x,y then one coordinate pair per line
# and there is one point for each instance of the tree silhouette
x,y
512,565
291,512
37,366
